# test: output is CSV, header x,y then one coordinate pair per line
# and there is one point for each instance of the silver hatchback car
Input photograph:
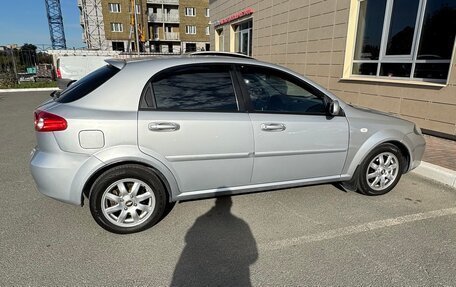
x,y
134,137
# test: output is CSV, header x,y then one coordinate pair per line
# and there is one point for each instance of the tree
x,y
27,55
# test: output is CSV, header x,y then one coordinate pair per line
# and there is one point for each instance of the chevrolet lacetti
x,y
136,136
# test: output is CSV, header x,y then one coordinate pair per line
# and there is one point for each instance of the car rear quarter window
x,y
87,84
195,88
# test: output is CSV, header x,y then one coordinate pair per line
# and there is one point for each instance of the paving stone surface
x,y
440,152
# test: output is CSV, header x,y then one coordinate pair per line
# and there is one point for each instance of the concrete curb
x,y
29,90
437,173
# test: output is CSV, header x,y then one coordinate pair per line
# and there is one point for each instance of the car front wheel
x,y
127,199
381,170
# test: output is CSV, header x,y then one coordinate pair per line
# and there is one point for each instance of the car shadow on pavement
x,y
219,250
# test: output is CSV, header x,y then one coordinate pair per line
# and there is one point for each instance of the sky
x,y
25,21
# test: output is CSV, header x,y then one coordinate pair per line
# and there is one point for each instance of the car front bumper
x,y
417,146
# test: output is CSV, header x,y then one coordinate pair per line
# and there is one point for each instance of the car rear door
x,y
294,138
191,119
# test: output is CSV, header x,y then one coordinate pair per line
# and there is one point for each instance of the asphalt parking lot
x,y
316,235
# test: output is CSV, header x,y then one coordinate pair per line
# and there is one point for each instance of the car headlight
x,y
417,130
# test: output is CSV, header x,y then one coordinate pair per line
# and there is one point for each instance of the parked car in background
x,y
72,68
133,137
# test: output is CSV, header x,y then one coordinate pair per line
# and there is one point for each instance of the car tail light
x,y
47,122
59,74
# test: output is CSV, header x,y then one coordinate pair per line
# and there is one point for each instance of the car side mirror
x,y
334,108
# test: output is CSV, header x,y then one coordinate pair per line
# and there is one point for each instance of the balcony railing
x,y
162,17
172,36
164,2
168,36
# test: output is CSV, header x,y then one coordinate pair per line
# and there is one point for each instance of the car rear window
x,y
87,84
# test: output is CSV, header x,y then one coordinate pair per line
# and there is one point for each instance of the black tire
x,y
124,173
363,182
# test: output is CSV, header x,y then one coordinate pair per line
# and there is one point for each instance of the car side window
x,y
271,90
194,88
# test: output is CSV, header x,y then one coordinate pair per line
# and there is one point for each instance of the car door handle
x,y
273,127
164,127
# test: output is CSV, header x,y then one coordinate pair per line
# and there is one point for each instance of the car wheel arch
x,y
405,153
394,137
88,184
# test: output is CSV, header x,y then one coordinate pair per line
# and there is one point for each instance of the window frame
x,y
385,34
111,5
289,77
113,24
151,105
239,33
207,12
188,9
350,60
189,28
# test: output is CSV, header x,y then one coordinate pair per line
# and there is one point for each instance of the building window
x,y
118,46
114,7
116,27
207,12
137,9
190,11
190,29
243,38
405,39
207,31
190,47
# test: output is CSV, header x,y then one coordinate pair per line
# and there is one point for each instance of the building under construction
x,y
163,26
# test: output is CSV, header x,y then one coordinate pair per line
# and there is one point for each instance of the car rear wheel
x,y
381,170
127,199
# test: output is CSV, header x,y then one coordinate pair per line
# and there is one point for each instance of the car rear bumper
x,y
57,174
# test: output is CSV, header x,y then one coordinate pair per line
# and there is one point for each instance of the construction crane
x,y
55,20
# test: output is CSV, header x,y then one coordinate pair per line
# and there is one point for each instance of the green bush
x,y
8,81
28,85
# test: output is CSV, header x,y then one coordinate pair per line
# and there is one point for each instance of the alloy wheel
x,y
382,171
128,202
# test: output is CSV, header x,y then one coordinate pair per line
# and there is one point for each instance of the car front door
x,y
190,118
294,137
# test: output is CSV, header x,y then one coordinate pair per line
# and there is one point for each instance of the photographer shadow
x,y
219,250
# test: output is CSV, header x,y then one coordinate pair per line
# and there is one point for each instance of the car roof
x,y
223,57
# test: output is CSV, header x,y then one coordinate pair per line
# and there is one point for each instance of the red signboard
x,y
235,16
